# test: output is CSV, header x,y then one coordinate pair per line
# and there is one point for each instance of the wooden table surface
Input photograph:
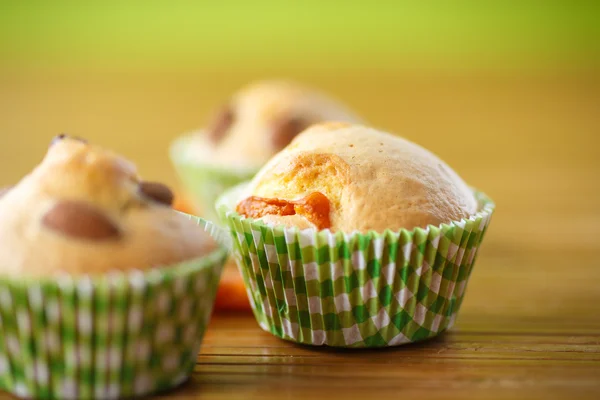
x,y
530,323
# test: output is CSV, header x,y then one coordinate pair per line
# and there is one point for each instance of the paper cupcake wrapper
x,y
204,183
359,289
123,334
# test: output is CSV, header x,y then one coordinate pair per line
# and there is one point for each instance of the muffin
x,y
105,291
256,123
352,237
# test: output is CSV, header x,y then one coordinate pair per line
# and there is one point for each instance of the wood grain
x,y
530,323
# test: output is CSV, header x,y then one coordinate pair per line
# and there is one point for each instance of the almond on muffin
x,y
84,210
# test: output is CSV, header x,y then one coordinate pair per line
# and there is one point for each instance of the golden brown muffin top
x,y
371,179
84,210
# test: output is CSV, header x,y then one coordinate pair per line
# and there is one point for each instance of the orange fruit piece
x,y
231,294
181,203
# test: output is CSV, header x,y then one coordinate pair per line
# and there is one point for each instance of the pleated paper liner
x,y
204,183
122,334
358,289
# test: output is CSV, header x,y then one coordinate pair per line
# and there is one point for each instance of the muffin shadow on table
x,y
351,237
105,291
432,345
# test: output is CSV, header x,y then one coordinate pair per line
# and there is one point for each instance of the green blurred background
x,y
513,84
319,35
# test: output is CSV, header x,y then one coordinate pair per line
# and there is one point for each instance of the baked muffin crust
x,y
373,180
84,210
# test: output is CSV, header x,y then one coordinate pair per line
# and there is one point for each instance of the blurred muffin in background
x,y
261,119
243,134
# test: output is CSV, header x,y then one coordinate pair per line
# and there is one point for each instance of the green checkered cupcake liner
x,y
355,289
204,183
122,334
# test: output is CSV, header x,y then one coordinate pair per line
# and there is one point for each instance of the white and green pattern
x,y
204,182
123,334
359,289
